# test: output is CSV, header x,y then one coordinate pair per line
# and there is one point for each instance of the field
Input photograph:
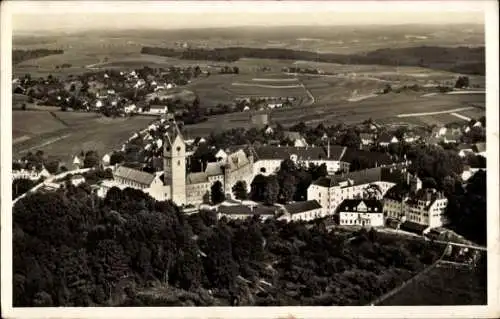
x,y
63,134
443,286
382,109
327,99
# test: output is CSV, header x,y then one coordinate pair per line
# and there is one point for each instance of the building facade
x,y
330,191
359,212
426,207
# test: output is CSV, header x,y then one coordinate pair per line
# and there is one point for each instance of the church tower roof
x,y
172,133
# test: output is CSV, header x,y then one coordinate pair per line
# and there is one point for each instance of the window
x,y
262,169
178,163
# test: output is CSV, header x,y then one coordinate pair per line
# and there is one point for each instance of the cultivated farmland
x,y
63,134
444,286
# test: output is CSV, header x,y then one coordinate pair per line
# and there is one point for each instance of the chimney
x,y
328,149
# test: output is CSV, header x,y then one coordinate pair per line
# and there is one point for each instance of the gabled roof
x,y
237,160
385,137
351,205
464,147
301,207
214,169
372,158
197,178
480,147
172,132
367,176
137,176
303,153
246,210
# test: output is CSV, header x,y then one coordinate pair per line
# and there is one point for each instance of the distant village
x,y
145,91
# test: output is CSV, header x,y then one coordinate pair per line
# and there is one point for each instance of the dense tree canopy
x,y
74,249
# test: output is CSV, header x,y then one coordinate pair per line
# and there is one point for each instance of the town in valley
x,y
250,166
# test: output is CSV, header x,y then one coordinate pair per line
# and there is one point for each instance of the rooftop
x,y
300,207
302,153
358,205
196,178
247,210
377,174
137,176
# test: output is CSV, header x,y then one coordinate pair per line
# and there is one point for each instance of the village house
x,y
367,139
296,138
361,212
469,171
331,190
385,139
77,179
411,137
464,150
451,137
301,211
106,160
32,174
268,130
158,109
77,162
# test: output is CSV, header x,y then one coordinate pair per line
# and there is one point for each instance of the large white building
x,y
361,212
425,208
268,158
330,191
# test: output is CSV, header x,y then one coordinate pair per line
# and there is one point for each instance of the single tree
x,y
217,193
240,190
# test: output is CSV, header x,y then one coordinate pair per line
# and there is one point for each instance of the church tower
x,y
174,164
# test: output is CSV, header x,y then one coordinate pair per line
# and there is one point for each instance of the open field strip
x,y
434,113
274,80
428,95
341,76
45,143
20,139
268,86
361,98
466,92
461,116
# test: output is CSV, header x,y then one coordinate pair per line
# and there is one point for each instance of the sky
x,y
46,16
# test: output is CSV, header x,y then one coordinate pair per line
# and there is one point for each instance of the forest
x,y
464,60
72,248
19,56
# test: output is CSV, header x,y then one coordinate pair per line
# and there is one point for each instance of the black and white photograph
x,y
215,156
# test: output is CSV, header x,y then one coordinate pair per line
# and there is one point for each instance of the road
x,y
51,180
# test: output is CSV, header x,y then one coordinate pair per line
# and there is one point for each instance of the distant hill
x,y
467,60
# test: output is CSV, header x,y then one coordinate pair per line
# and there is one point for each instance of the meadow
x,y
320,99
64,134
444,286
